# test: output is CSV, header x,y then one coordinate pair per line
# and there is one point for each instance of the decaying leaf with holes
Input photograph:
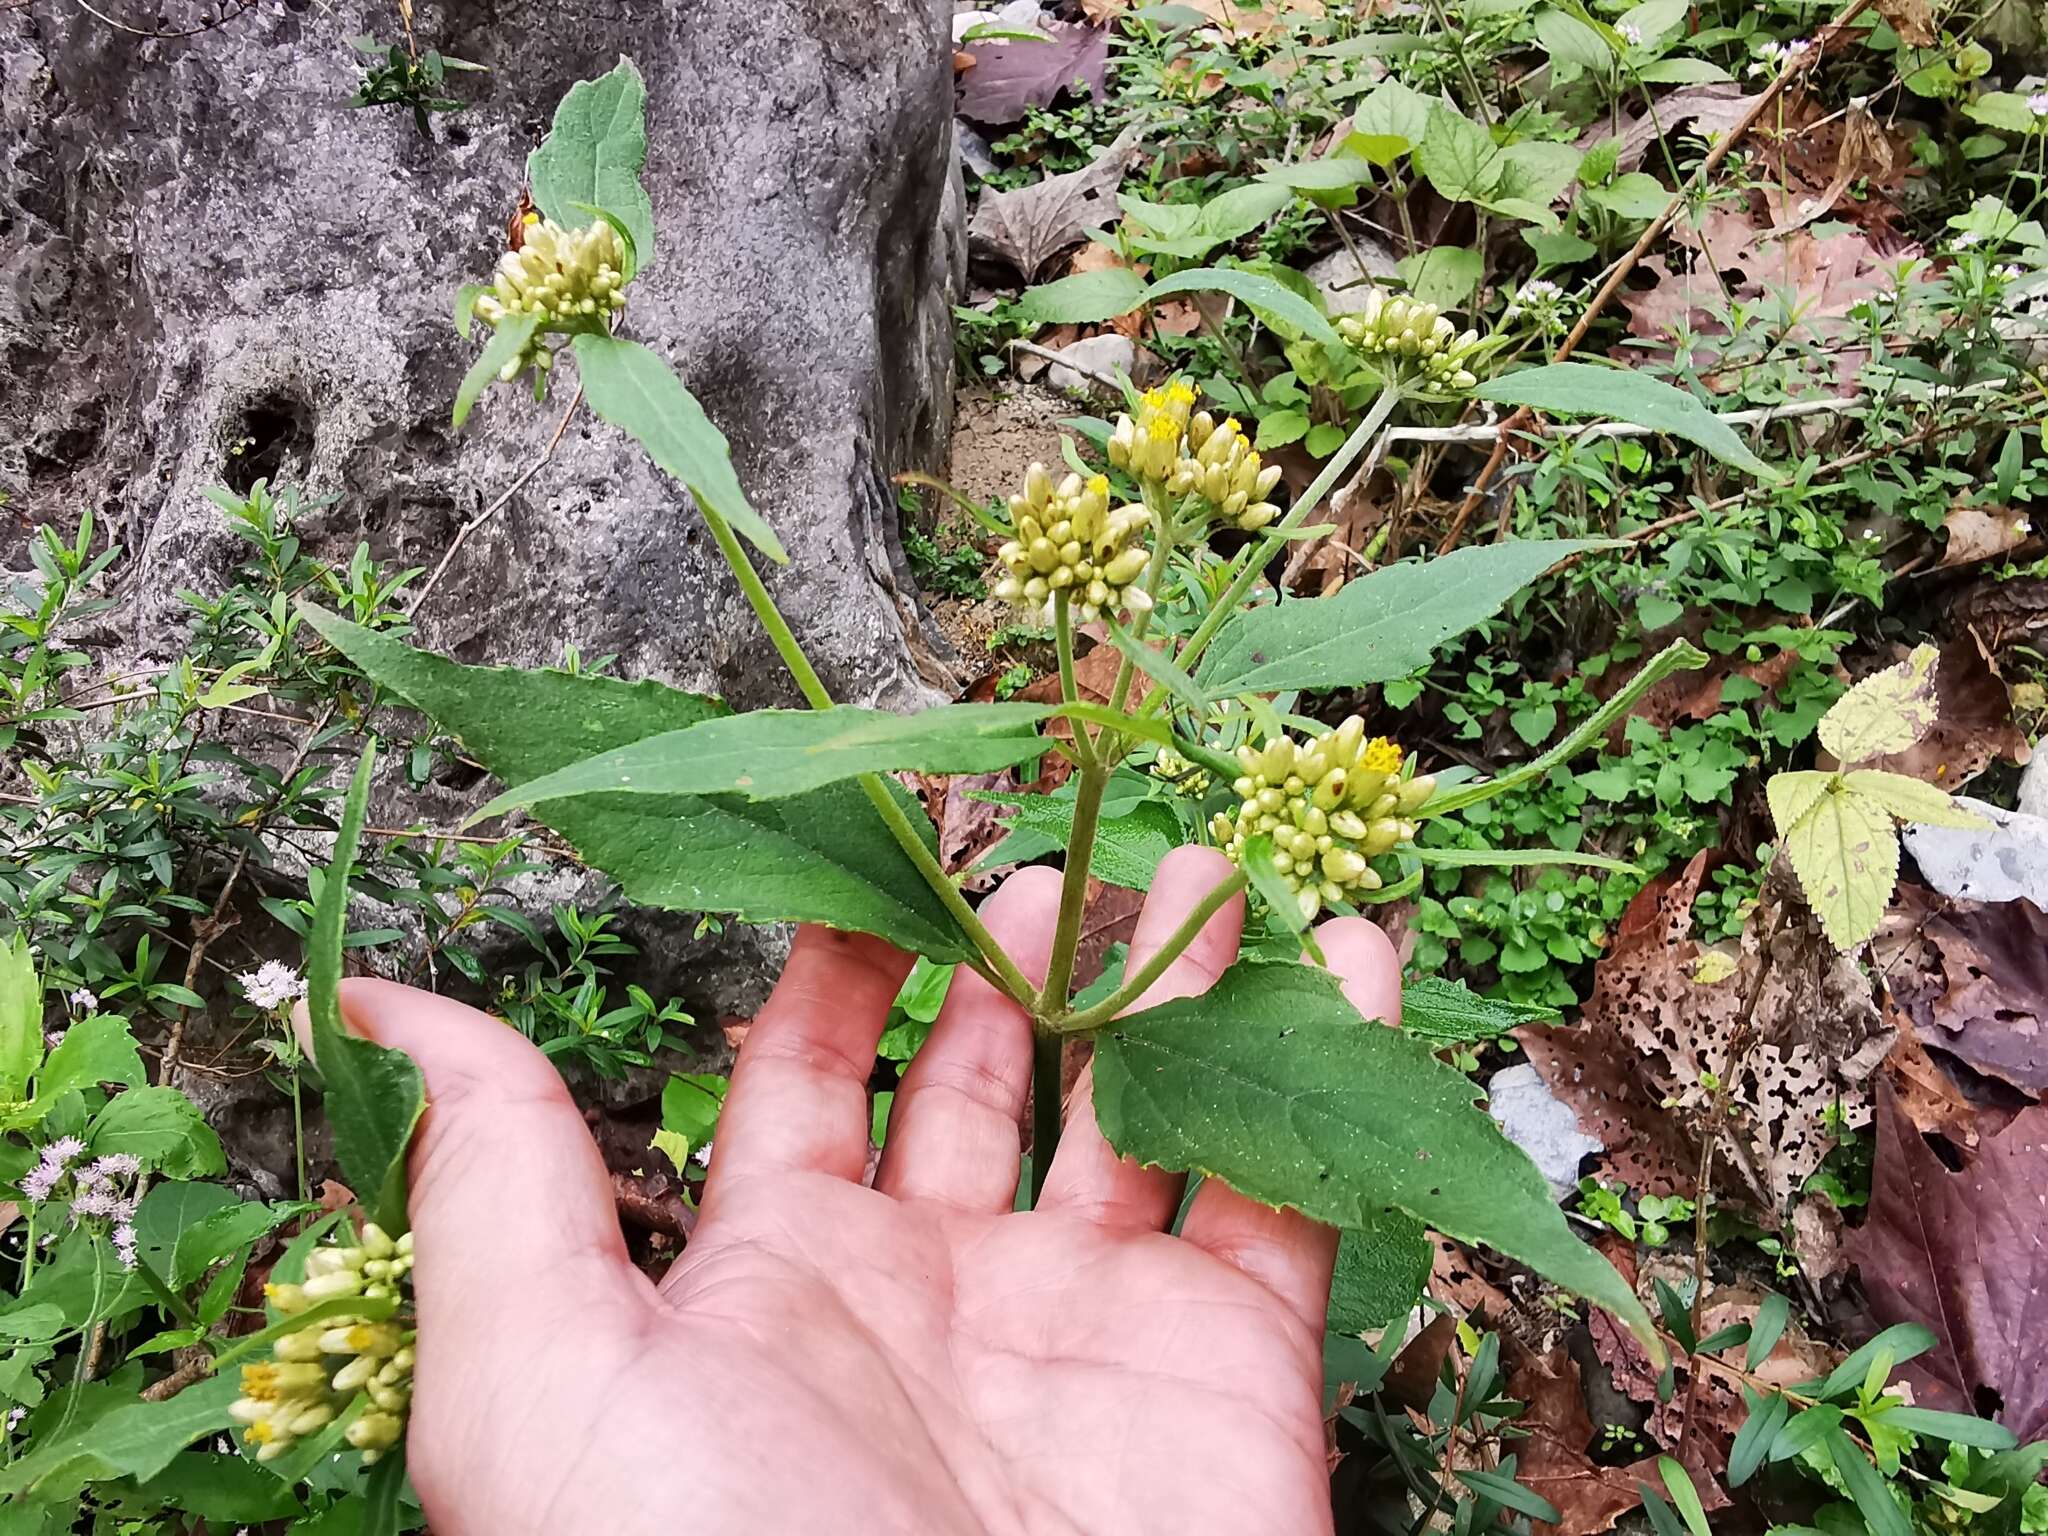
x,y
1651,1032
1837,827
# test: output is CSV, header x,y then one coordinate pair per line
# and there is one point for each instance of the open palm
x,y
828,1356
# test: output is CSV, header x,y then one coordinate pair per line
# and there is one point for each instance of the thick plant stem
x,y
1045,1106
1000,970
1094,778
1139,982
1360,438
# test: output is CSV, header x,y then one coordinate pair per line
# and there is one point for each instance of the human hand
x,y
827,1356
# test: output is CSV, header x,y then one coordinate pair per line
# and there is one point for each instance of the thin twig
x,y
422,592
1486,432
1654,232
206,26
1068,363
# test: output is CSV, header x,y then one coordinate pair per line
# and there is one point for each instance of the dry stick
x,y
1521,415
497,506
1070,365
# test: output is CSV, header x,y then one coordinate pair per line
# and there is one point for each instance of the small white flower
x,y
272,985
2008,272
1630,33
1872,533
702,1156
1967,239
124,1245
2022,526
84,1000
2037,103
14,1418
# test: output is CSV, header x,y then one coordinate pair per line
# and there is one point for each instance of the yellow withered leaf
x,y
1846,855
1792,795
1912,800
1887,712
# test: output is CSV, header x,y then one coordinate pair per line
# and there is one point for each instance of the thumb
x,y
510,1202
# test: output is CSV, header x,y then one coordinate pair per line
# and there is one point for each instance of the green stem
x,y
1155,572
173,1302
1070,688
1094,778
1307,502
998,967
299,1132
1045,1107
28,1252
1137,984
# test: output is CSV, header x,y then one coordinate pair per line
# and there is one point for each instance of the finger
x,y
509,1197
1087,1177
953,1133
799,1095
1283,1250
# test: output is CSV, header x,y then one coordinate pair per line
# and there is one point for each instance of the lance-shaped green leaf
x,y
1083,298
21,1018
1276,894
638,393
1378,627
1623,394
1518,858
506,343
824,857
593,155
374,1095
1272,1082
1268,298
768,754
1450,1013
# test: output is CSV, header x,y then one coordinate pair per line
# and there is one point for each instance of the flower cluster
x,y
1774,57
1223,469
272,985
1540,299
101,1194
1149,445
1413,337
572,279
1069,540
1330,807
1189,778
315,1372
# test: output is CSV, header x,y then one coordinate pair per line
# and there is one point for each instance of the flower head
x,y
569,280
84,1000
1149,445
1630,33
124,1244
272,985
1329,807
1224,470
2037,103
1414,338
1068,539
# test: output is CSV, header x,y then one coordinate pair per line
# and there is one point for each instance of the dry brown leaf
x,y
1650,1032
1927,1094
1239,21
1031,225
1553,1460
1980,533
1102,12
1707,109
1973,978
1913,20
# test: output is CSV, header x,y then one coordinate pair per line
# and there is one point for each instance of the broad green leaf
x,y
1381,1270
1573,46
220,1489
1169,221
768,754
206,1242
638,393
1442,1012
1335,173
1887,711
507,342
2006,110
1272,1082
161,1127
1241,210
1633,195
95,1050
690,1106
1620,394
1846,856
1271,300
1389,123
1677,71
1443,275
819,858
1083,298
593,156
1377,627
1911,799
21,1018
1458,156
374,1095
136,1440
1128,847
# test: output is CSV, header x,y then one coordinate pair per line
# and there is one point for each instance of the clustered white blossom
x,y
317,1371
569,279
272,985
1774,57
84,1000
2037,103
1630,33
101,1195
1413,339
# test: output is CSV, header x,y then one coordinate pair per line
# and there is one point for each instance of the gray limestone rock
x,y
212,269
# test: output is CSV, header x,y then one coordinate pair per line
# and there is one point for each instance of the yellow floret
x,y
1382,755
